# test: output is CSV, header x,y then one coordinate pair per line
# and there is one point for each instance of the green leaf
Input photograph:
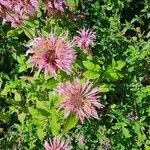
x,y
97,68
17,97
114,75
41,105
91,74
104,88
70,122
33,111
4,92
29,32
54,124
113,63
31,24
147,147
120,65
72,4
40,133
4,117
14,32
50,84
21,117
22,67
141,138
89,65
126,132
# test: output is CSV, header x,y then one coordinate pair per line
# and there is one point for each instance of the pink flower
x,y
79,99
55,7
85,39
16,11
52,54
57,144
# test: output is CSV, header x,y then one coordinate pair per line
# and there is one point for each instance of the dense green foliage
x,y
119,65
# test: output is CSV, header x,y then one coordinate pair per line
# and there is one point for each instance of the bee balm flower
x,y
55,6
85,39
57,144
79,99
16,11
52,53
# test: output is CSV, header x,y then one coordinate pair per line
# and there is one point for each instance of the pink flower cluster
x,y
16,11
57,144
52,53
79,99
85,39
55,7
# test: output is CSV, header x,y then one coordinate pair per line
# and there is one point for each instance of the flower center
x,y
77,100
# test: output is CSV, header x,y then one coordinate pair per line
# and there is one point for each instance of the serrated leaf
x,y
40,133
70,122
54,125
126,132
21,117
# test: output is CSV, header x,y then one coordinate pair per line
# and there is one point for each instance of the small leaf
x,y
31,24
14,32
97,68
17,97
4,117
4,92
89,65
21,117
40,105
54,124
40,133
104,89
29,32
50,84
91,74
126,132
70,122
141,138
33,111
120,65
113,63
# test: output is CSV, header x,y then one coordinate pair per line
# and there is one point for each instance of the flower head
x,y
132,116
79,99
57,144
16,11
85,39
52,53
55,7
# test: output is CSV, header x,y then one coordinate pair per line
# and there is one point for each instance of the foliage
x,y
118,64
